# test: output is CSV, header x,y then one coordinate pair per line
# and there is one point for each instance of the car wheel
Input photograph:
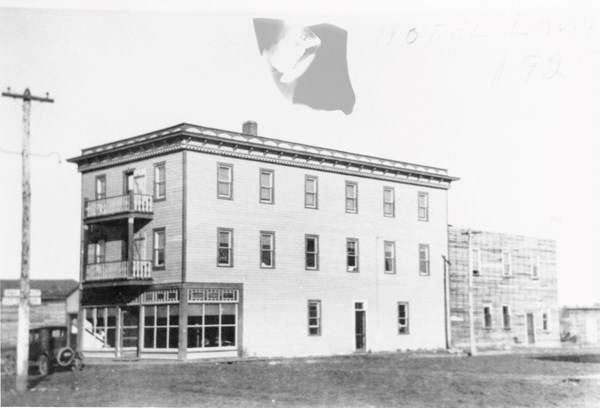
x,y
43,366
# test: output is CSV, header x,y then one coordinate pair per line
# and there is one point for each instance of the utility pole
x,y
23,322
473,347
447,317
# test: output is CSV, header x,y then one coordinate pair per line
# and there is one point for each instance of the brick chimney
x,y
250,128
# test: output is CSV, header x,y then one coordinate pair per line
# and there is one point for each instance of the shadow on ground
x,y
572,358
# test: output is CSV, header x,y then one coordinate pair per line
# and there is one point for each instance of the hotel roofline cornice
x,y
198,138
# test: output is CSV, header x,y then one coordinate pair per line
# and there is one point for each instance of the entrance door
x,y
360,326
130,319
530,329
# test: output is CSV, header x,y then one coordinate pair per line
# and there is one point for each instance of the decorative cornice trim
x,y
248,147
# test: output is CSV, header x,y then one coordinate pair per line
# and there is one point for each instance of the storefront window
x,y
212,325
161,326
100,327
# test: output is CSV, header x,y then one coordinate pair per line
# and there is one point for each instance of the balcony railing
x,y
140,203
118,270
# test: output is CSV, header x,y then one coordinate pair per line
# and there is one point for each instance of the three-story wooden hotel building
x,y
200,243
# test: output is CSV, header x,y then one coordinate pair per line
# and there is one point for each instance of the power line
x,y
34,154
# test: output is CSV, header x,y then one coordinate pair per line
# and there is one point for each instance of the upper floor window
x,y
266,186
100,187
134,181
312,251
97,252
423,259
352,255
314,317
225,181
506,264
160,184
225,247
267,249
402,318
476,260
311,192
506,317
158,252
351,197
535,267
423,206
389,202
389,257
487,317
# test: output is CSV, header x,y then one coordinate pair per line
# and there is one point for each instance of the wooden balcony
x,y
111,207
108,271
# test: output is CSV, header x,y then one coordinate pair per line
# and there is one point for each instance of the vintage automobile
x,y
49,348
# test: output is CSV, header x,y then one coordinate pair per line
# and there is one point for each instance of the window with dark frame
x,y
506,264
212,325
311,192
225,247
312,251
267,249
158,252
100,187
161,327
423,206
389,202
545,321
403,318
487,317
101,322
351,197
267,190
97,252
160,184
535,267
352,254
475,259
389,256
423,259
225,181
505,317
128,182
314,317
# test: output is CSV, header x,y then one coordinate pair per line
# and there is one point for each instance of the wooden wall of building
x,y
521,292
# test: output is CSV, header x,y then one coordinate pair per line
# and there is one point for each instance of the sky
x,y
505,95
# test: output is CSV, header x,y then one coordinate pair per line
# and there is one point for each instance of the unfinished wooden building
x,y
514,289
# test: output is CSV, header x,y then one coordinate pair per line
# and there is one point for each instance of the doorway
x,y
360,326
530,329
130,319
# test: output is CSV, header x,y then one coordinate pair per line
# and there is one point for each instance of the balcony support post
x,y
130,244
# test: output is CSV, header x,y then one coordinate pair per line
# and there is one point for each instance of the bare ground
x,y
378,380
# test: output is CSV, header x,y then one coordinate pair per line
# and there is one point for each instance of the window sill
x,y
224,266
156,200
158,268
225,198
